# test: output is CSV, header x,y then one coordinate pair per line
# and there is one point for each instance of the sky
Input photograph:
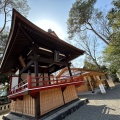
x,y
53,14
50,14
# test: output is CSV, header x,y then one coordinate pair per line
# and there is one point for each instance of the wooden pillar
x,y
69,70
29,80
89,80
36,71
36,68
37,100
10,82
43,77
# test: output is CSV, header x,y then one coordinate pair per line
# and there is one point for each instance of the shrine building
x,y
30,57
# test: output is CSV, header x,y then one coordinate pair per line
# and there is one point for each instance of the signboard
x,y
110,83
102,89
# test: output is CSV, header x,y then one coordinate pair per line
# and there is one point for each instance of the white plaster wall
x,y
14,82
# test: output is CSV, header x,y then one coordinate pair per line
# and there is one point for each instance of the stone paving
x,y
100,106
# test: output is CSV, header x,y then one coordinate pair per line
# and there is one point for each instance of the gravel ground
x,y
100,106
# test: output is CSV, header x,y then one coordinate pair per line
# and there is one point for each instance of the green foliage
x,y
6,7
112,52
3,39
79,15
114,15
103,68
84,17
4,78
92,66
20,5
89,65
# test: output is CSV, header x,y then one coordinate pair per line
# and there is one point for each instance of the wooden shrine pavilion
x,y
92,78
31,56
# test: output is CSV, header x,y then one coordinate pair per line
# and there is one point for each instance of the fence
x,y
4,108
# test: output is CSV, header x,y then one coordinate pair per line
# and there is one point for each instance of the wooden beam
x,y
48,60
25,33
27,66
54,68
45,51
22,61
30,63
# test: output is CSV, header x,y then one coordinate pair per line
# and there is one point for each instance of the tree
x,y
5,11
90,50
82,15
3,40
88,63
6,8
112,52
3,79
114,15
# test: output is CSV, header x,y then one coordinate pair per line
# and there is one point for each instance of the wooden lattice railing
x,y
44,82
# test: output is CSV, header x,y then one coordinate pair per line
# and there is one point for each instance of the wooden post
x,y
10,82
36,71
70,72
36,67
29,79
89,80
37,100
43,78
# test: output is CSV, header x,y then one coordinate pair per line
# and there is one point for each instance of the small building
x,y
92,78
30,57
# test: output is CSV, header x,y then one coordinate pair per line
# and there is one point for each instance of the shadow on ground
x,y
101,106
111,94
95,113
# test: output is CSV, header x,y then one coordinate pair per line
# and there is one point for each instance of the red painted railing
x,y
44,82
22,85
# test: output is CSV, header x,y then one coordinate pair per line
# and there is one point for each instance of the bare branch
x,y
86,27
8,11
5,17
86,45
8,20
97,33
94,48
